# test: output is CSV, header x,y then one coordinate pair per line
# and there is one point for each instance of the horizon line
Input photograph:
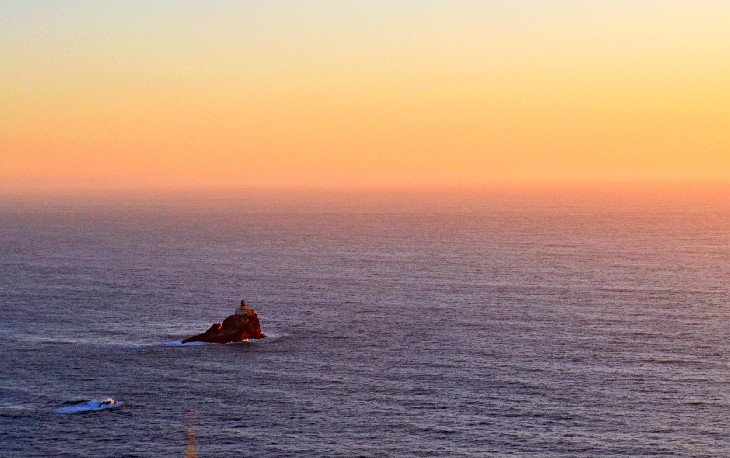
x,y
322,197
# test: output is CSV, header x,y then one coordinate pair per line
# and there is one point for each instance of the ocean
x,y
596,331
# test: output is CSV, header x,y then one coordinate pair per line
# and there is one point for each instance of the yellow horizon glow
x,y
344,94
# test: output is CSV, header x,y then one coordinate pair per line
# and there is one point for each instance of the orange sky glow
x,y
108,97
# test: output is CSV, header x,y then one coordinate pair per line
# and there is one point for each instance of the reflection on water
x,y
576,332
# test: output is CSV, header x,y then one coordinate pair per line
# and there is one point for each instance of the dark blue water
x,y
526,332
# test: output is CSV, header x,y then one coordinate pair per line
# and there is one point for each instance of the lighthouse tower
x,y
242,310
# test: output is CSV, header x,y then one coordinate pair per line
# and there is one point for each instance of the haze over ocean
x,y
569,331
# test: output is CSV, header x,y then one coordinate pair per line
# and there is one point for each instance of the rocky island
x,y
242,325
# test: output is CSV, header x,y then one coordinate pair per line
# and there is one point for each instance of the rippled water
x,y
554,331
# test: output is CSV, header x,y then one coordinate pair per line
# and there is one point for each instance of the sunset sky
x,y
156,94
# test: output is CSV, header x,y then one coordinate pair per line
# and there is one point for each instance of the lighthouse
x,y
244,310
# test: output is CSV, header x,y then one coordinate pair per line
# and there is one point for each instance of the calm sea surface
x,y
525,332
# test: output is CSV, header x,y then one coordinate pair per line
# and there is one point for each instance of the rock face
x,y
242,325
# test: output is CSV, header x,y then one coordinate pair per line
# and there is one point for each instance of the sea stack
x,y
242,325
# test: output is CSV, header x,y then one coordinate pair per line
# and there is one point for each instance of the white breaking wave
x,y
178,343
89,406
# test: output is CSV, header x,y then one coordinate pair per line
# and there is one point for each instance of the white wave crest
x,y
89,406
178,343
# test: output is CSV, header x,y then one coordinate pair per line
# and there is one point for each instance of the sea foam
x,y
89,406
